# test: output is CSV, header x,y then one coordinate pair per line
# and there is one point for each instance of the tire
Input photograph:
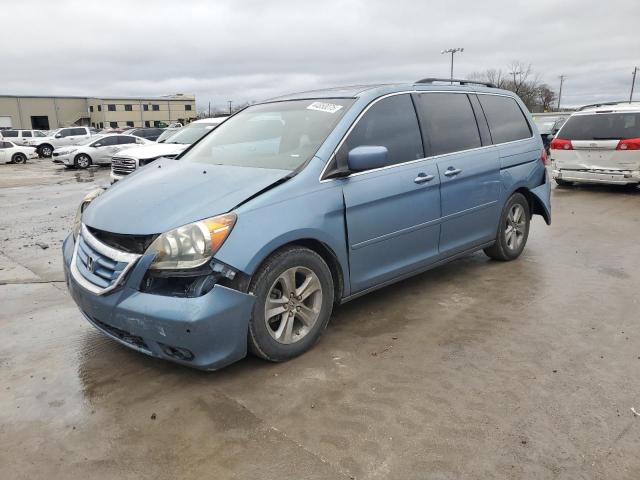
x,y
82,161
19,158
513,229
45,150
563,183
305,317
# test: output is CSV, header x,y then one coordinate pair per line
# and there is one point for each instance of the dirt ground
x,y
477,369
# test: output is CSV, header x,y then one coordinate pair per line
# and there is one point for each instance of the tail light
x,y
543,157
561,144
629,144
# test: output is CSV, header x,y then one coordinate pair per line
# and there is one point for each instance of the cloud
x,y
250,50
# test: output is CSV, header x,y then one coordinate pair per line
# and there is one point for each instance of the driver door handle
x,y
423,178
451,172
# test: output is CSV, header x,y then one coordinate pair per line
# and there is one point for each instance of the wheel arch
x,y
319,247
536,207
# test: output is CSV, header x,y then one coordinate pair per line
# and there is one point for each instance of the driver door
x,y
393,212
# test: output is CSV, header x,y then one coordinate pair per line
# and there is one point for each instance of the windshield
x,y
164,136
87,141
601,126
280,135
191,133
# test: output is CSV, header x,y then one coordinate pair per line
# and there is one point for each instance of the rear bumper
x,y
207,332
615,177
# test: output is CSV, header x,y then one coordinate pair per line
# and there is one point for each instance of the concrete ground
x,y
477,369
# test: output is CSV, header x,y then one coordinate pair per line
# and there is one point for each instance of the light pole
x,y
562,77
452,51
515,85
633,82
230,102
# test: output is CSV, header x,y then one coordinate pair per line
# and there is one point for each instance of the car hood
x,y
170,193
153,150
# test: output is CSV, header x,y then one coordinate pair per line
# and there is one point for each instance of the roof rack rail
x,y
457,80
604,104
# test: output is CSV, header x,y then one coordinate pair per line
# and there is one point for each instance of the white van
x,y
599,144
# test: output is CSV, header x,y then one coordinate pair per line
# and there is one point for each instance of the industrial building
x,y
47,113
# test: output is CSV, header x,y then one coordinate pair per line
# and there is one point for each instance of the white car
x,y
599,144
97,150
21,137
60,138
127,161
12,153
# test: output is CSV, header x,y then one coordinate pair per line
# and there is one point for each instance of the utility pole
x,y
633,82
562,77
515,85
230,102
452,51
209,109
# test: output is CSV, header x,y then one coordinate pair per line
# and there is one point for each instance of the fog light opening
x,y
177,352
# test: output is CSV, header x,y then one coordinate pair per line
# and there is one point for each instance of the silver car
x,y
97,150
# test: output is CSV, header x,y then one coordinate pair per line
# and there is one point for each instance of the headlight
x,y
191,245
90,197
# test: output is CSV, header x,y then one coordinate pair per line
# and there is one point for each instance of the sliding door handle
x,y
452,172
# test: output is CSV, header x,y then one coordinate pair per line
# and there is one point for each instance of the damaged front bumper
x,y
206,332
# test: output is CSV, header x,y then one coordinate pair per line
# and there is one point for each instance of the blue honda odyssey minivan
x,y
248,240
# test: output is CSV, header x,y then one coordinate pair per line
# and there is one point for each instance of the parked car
x,y
127,161
599,144
168,132
12,153
146,133
21,137
295,204
59,138
97,150
548,125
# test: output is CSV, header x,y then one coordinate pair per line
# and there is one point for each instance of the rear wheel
x,y
82,161
19,158
294,299
45,150
563,183
513,229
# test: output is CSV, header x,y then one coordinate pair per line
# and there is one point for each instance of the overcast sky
x,y
251,50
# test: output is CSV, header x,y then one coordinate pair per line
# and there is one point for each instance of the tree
x,y
523,81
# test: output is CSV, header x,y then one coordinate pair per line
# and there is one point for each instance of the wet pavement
x,y
477,369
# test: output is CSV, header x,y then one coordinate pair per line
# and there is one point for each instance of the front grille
x,y
96,266
55,154
123,165
127,243
98,269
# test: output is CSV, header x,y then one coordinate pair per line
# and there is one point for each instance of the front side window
x,y
449,122
391,123
280,135
78,131
601,126
66,132
506,121
106,141
38,133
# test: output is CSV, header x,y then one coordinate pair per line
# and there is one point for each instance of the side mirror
x,y
367,158
58,135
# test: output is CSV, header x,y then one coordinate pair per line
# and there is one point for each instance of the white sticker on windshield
x,y
324,107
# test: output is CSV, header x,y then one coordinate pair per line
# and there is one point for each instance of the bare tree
x,y
523,81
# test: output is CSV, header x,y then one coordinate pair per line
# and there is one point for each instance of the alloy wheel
x,y
515,227
293,305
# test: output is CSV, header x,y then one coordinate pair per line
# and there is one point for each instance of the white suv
x,y
599,144
128,161
59,138
21,137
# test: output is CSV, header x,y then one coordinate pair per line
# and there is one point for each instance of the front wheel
x,y
294,299
513,229
82,161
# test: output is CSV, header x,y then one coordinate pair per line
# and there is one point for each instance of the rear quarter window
x,y
9,133
506,120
